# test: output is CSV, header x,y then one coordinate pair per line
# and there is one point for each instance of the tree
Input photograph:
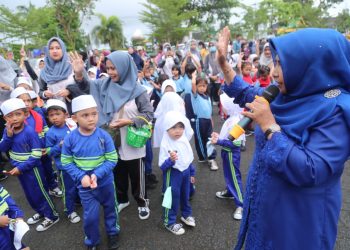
x,y
29,24
342,21
110,31
211,11
167,20
285,13
70,14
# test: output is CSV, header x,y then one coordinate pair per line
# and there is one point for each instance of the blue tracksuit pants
x,y
180,191
92,199
49,174
149,157
202,132
36,192
231,162
70,193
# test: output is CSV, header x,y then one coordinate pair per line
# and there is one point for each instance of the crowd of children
x,y
182,91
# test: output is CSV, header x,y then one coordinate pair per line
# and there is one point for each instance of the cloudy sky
x,y
128,11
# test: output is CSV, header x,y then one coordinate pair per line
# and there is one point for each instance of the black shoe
x,y
3,177
243,148
92,248
113,242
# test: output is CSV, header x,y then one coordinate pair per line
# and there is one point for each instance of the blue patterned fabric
x,y
293,191
313,62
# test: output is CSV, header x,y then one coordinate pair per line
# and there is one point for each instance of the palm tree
x,y
110,31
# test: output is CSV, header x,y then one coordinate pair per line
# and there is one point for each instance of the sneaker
x,y
46,224
189,221
34,219
213,165
249,133
56,192
224,195
3,177
243,148
201,161
238,214
121,206
74,217
113,242
176,229
144,213
91,248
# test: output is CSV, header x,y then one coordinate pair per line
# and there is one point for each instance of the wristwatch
x,y
272,129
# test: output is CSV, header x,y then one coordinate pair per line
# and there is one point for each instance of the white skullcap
x,y
18,91
93,70
83,102
11,105
24,80
32,94
56,103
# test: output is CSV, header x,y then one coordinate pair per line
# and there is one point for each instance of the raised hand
x,y
77,63
222,44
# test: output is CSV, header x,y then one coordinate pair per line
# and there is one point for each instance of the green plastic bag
x,y
167,199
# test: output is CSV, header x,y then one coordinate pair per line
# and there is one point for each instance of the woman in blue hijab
x,y
120,102
293,191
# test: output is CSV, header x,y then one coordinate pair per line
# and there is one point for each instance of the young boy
x,y
57,114
24,147
89,156
38,123
175,160
8,211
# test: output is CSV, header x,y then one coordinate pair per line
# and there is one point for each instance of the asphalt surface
x,y
215,228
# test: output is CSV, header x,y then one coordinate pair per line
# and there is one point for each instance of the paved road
x,y
215,227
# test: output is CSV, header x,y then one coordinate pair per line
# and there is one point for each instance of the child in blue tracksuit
x,y
231,155
199,112
175,160
61,126
24,148
8,211
38,123
89,157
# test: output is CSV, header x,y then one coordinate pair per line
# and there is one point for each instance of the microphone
x,y
269,95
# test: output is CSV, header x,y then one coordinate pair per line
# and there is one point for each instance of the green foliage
x,y
167,20
211,11
292,14
70,14
110,31
28,24
342,21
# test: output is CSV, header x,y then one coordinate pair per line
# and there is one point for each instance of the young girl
x,y
262,78
231,155
246,68
177,78
199,104
175,160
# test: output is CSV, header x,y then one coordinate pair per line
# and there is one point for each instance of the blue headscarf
x,y
55,71
111,96
314,61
